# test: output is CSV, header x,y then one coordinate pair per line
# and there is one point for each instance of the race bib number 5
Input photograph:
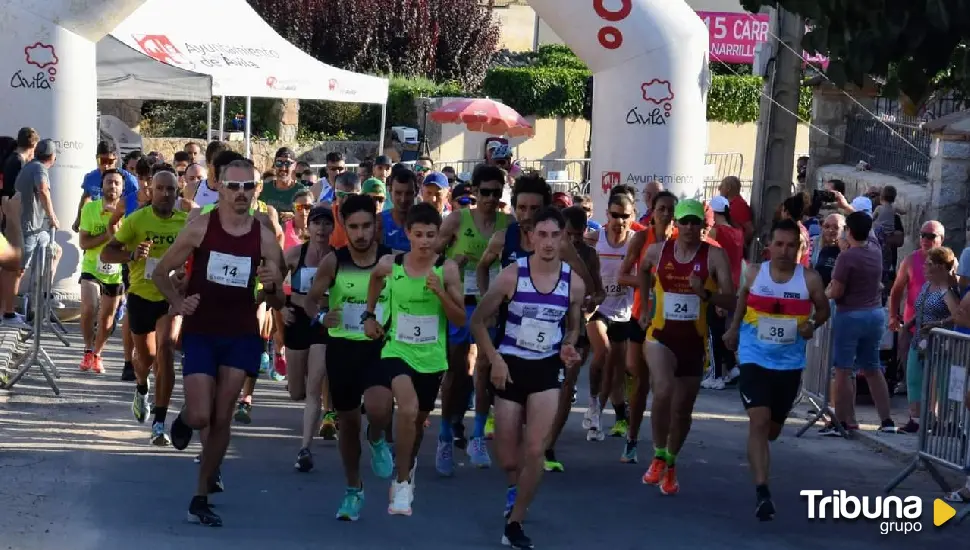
x,y
772,330
417,329
681,307
538,336
228,270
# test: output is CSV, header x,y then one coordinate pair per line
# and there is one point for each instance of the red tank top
x,y
224,276
672,278
651,239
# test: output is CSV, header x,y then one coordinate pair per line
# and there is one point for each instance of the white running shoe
x,y
595,435
588,415
402,495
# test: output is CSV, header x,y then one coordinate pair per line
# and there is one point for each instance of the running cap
x,y
437,179
373,186
719,204
383,160
689,207
320,211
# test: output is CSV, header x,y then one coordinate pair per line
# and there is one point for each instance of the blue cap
x,y
436,178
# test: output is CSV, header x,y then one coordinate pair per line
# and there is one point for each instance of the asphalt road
x,y
78,474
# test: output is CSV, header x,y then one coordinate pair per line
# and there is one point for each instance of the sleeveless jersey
x,y
679,313
637,300
418,326
618,304
224,277
769,334
512,249
394,236
205,196
470,243
349,293
534,323
290,238
302,277
144,225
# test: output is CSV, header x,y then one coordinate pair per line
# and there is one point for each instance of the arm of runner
x,y
730,337
270,270
117,252
375,285
571,257
85,198
492,253
501,290
273,218
816,291
594,268
193,214
87,241
896,293
646,281
451,293
592,237
574,319
627,277
191,189
185,243
717,262
447,233
326,271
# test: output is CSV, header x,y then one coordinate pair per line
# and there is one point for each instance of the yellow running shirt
x,y
144,225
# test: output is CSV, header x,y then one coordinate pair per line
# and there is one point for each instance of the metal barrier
x,y
817,376
42,282
944,417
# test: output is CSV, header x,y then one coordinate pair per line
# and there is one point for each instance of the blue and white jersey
x,y
394,236
534,323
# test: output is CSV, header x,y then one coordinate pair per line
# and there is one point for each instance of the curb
x,y
878,442
10,345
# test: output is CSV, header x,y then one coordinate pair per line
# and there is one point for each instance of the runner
x,y
688,271
101,286
206,192
610,327
351,355
402,184
141,241
464,237
659,229
540,320
305,341
221,334
425,293
773,321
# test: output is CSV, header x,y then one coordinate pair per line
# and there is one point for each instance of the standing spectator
x,y
827,247
740,211
963,266
382,168
37,212
27,139
107,155
650,191
858,324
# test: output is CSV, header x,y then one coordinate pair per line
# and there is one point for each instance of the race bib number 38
x,y
772,330
538,336
681,307
417,329
228,270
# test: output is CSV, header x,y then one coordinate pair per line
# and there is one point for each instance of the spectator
x,y
131,160
936,307
860,204
107,155
650,191
858,324
963,266
826,247
15,160
586,203
194,152
890,224
37,214
365,170
741,214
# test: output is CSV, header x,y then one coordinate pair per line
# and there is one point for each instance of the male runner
x,y
101,286
773,321
537,295
351,355
688,271
141,241
425,294
401,187
464,237
220,332
206,191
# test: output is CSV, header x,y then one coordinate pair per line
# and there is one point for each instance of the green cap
x,y
689,207
373,186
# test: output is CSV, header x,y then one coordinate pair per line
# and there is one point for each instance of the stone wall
x,y
263,151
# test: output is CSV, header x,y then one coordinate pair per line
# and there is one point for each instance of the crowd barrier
x,y
42,321
944,418
816,378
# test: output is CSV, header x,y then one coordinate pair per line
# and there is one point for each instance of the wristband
x,y
367,315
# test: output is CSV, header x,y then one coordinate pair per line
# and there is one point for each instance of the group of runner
x,y
382,312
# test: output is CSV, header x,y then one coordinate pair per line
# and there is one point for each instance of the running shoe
x,y
911,427
478,452
669,485
328,426
244,413
351,504
655,471
888,427
200,512
304,461
97,367
139,407
411,476
629,455
87,361
159,437
595,435
588,415
765,509
181,433
514,537
551,464
620,428
490,426
275,376
198,459
381,461
264,363
510,494
444,458
401,498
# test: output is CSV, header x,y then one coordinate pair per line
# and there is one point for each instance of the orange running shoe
x,y
656,470
97,365
87,362
669,485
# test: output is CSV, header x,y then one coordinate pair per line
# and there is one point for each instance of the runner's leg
x,y
90,297
315,378
106,321
660,362
541,410
599,343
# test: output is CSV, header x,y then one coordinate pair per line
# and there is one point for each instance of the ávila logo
x,y
43,57
658,93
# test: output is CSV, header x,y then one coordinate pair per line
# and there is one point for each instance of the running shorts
x,y
302,333
775,389
529,376
111,290
463,335
351,369
616,331
144,314
426,385
205,353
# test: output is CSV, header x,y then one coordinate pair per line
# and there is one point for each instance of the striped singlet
x,y
534,323
769,334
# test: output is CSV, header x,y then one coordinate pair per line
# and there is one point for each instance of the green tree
x,y
916,46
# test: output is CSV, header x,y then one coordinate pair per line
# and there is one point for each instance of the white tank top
x,y
205,196
618,304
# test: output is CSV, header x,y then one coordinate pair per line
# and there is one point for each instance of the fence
x,y
899,148
945,419
816,378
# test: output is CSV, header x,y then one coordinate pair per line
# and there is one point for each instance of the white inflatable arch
x,y
650,78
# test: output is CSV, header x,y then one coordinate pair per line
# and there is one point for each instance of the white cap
x,y
719,204
862,204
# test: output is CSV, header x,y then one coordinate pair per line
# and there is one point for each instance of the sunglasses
x,y
489,192
928,236
180,173
283,163
302,207
690,220
619,216
344,194
421,169
502,162
465,200
237,185
104,161
336,168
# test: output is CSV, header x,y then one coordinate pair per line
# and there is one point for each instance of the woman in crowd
x,y
827,246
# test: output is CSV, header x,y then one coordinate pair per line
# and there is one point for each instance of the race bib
x,y
150,264
417,329
108,269
351,313
306,279
471,280
538,336
772,330
682,307
613,288
228,270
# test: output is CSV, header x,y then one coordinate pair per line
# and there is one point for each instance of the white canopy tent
x,y
244,56
125,73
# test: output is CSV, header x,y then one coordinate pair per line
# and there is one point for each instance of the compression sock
x,y
620,411
480,420
671,459
445,433
159,414
142,389
762,491
660,453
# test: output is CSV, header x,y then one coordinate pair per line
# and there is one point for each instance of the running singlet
x,y
512,249
260,207
651,239
349,293
144,225
290,238
338,239
534,323
302,277
470,243
680,315
418,326
618,304
94,220
769,334
224,277
205,196
394,236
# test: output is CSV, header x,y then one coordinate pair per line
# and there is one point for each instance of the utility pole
x,y
777,127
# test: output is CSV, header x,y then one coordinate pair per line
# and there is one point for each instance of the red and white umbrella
x,y
484,115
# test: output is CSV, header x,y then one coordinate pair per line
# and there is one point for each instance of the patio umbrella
x,y
484,115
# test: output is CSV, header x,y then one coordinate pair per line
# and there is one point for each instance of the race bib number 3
x,y
351,314
228,270
682,307
150,264
417,329
538,336
773,330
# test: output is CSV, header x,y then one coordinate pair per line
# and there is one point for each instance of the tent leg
x,y
208,120
249,112
380,142
222,118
